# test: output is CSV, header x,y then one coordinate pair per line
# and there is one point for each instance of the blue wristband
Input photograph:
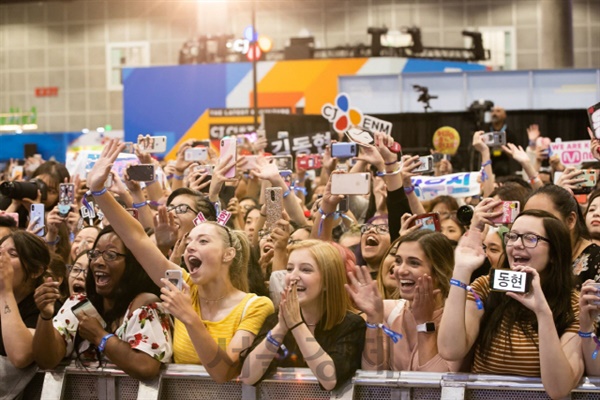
x,y
178,177
55,241
286,193
100,192
139,205
102,344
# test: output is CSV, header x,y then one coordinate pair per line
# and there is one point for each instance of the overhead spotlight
x,y
477,45
415,34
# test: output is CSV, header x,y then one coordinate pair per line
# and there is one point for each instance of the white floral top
x,y
146,329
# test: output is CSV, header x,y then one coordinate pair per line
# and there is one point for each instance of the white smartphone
x,y
196,154
228,148
351,184
175,277
152,144
36,214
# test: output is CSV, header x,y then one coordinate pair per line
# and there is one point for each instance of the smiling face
x,y
451,230
302,268
83,241
204,253
493,248
185,221
374,244
108,274
77,275
410,264
517,254
592,218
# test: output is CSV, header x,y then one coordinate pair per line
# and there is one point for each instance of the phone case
x,y
510,210
426,164
175,277
89,309
229,148
430,221
153,144
141,172
594,116
196,154
309,161
274,204
66,197
494,139
590,182
16,174
37,214
351,184
344,150
506,280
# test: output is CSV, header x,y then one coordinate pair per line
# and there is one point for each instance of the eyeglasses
x,y
107,255
529,240
382,229
76,271
263,232
181,209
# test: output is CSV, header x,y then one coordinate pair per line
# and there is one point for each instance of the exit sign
x,y
46,91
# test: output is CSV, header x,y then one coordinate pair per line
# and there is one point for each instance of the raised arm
x,y
128,228
487,180
49,348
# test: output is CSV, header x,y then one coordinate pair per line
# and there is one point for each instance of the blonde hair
x,y
334,299
238,269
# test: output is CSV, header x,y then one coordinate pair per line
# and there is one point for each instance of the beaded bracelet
x,y
395,336
457,283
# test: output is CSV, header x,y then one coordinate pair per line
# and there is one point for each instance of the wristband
x,y
324,216
139,205
295,326
178,177
275,343
46,319
457,283
409,190
102,344
55,241
484,175
532,180
286,193
383,173
391,163
99,192
395,336
169,177
587,335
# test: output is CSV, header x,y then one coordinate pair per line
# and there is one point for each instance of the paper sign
x,y
446,140
572,153
343,117
199,219
461,184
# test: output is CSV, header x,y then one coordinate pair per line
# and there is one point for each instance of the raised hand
x,y
290,308
218,177
569,178
405,222
589,307
484,212
478,142
535,299
363,291
165,229
45,296
370,154
516,152
533,132
90,329
265,170
424,302
99,173
594,144
469,255
178,303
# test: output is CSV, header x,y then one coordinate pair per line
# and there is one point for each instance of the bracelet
x,y
324,216
178,177
409,190
217,206
139,205
587,335
383,173
55,241
395,336
275,343
102,344
46,319
155,203
532,180
169,177
391,163
462,285
295,326
484,175
286,193
99,193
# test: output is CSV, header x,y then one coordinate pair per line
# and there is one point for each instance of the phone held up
x,y
274,205
175,277
36,214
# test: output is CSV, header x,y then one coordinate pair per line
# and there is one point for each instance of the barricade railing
x,y
177,381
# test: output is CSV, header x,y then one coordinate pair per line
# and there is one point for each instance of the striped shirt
x,y
522,356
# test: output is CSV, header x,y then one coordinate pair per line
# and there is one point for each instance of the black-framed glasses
x,y
76,271
181,209
382,229
107,255
529,240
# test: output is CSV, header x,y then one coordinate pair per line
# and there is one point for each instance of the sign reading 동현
x,y
572,153
461,184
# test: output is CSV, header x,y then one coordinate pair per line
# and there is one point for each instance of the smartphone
x,y
507,280
308,161
284,163
204,169
88,308
196,154
494,139
274,204
344,150
229,148
359,183
141,172
66,197
109,181
426,165
175,277
128,148
586,187
510,210
429,221
152,144
133,212
16,173
36,214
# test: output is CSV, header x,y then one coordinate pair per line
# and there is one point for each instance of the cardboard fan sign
x,y
594,115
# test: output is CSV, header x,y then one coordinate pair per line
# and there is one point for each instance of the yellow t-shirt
x,y
221,331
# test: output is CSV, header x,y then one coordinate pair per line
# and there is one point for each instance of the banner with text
x,y
461,184
573,153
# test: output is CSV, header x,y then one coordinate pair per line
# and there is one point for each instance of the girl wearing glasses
x,y
135,332
560,203
422,267
24,258
215,319
532,334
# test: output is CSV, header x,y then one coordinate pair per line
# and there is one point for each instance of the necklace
x,y
211,300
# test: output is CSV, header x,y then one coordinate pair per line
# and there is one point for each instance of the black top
x,y
343,343
29,314
397,205
587,265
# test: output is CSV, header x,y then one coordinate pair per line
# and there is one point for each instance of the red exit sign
x,y
46,91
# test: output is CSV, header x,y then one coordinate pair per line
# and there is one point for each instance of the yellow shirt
x,y
222,331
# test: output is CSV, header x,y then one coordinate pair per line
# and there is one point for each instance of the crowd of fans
x,y
335,291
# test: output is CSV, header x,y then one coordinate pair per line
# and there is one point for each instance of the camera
x,y
464,214
19,190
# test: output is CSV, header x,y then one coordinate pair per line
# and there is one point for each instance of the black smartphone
x,y
141,172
